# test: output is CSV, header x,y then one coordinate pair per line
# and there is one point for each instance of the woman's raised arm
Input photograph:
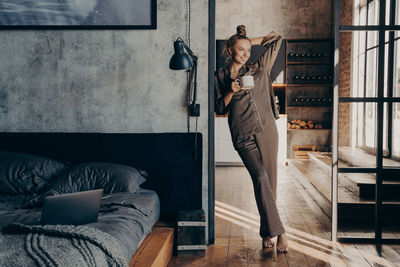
x,y
273,43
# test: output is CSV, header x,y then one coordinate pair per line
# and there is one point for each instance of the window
x,y
364,78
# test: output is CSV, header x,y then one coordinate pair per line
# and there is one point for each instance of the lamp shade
x,y
180,60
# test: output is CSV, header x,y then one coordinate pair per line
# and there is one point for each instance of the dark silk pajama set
x,y
251,117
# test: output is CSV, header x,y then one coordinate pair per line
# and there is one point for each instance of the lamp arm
x,y
187,48
190,52
194,57
195,80
194,107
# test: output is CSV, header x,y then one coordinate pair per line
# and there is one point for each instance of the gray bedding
x,y
124,220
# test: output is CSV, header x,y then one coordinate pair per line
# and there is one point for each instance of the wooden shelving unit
x,y
309,77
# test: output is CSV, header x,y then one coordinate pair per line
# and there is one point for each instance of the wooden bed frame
x,y
173,161
156,249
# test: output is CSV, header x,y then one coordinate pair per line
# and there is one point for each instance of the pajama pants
x,y
259,154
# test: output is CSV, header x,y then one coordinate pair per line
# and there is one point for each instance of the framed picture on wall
x,y
75,14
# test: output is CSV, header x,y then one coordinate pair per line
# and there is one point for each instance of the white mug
x,y
246,82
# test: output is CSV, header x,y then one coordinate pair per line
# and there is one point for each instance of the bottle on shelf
x,y
295,100
277,103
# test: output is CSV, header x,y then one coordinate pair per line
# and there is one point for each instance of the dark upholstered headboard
x,y
173,160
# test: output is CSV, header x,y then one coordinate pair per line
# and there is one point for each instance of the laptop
x,y
74,208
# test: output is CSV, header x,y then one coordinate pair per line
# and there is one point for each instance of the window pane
x,y
373,12
359,43
385,129
387,17
360,14
371,73
363,125
394,136
364,64
370,125
396,131
385,84
357,123
372,39
366,14
396,68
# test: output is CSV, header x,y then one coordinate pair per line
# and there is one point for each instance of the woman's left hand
x,y
235,87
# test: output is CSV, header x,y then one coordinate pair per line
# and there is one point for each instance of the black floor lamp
x,y
181,61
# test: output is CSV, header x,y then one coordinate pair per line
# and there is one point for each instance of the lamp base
x,y
194,110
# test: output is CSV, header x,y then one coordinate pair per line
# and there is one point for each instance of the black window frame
x,y
380,170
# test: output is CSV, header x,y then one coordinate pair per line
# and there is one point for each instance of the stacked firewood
x,y
300,124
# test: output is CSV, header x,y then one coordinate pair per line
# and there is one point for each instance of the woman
x,y
252,115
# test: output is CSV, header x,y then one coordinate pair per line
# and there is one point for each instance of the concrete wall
x,y
289,18
104,80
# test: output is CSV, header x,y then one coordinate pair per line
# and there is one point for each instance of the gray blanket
x,y
125,217
30,245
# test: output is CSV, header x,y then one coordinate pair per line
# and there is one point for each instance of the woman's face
x,y
241,51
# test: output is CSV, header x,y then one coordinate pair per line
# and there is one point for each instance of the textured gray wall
x,y
104,80
289,18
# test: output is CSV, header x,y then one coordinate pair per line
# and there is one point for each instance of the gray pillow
x,y
23,174
109,176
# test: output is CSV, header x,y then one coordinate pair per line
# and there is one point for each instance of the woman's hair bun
x,y
241,30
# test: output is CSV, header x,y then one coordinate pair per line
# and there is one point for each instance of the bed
x,y
168,169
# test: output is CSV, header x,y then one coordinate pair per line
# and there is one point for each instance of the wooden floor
x,y
237,241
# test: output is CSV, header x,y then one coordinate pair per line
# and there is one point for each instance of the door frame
x,y
211,122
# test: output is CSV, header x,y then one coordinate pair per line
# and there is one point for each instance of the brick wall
x,y
346,18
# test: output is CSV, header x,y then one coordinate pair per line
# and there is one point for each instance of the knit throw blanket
x,y
58,245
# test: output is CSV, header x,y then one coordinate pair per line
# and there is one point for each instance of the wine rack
x,y
313,96
309,78
309,51
297,74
